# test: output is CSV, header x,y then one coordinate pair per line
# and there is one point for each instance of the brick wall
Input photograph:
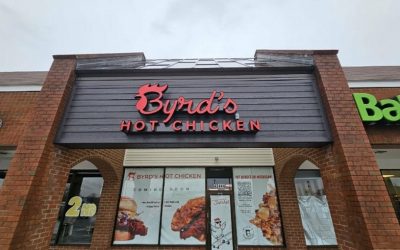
x,y
15,111
361,210
29,168
382,135
370,214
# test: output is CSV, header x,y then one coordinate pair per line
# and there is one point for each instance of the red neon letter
x,y
153,124
139,125
213,125
205,106
201,126
169,111
191,126
233,106
175,125
188,103
226,125
125,126
143,102
239,125
254,125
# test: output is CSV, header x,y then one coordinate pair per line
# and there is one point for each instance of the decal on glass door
x,y
221,225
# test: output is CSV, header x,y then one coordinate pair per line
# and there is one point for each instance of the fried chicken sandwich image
x,y
190,219
128,225
267,218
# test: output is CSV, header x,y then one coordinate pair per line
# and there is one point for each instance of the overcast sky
x,y
366,32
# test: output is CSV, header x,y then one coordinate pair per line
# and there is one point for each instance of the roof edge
x,y
295,52
100,55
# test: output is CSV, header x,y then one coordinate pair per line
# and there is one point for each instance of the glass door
x,y
220,203
220,222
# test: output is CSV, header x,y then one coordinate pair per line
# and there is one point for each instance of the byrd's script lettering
x,y
151,102
147,106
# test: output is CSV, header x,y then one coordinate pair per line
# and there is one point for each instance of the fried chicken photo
x,y
190,219
127,225
267,218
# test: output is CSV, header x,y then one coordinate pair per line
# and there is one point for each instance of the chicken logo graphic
x,y
220,237
143,101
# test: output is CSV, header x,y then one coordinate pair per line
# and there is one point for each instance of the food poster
x,y
256,206
138,219
221,222
184,207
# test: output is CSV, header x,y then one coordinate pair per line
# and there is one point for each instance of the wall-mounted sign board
x,y
281,110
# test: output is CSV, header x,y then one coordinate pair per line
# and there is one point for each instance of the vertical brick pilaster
x,y
18,203
370,214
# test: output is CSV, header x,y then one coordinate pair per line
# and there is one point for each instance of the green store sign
x,y
372,110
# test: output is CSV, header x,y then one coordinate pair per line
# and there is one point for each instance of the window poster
x,y
138,219
256,206
184,207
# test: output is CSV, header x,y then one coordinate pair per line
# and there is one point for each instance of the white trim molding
x,y
374,84
20,88
199,157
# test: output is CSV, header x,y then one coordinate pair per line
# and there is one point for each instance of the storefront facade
x,y
122,152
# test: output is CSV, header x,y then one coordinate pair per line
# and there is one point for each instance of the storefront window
x,y
169,206
392,181
314,209
139,210
5,159
184,207
78,208
258,220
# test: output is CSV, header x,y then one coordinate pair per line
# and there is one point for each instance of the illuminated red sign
x,y
151,102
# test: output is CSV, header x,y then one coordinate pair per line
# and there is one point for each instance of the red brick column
x,y
29,166
373,223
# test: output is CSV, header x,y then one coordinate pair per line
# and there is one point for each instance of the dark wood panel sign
x,y
194,111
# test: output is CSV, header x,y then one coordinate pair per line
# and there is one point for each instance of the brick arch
x,y
292,164
106,211
288,161
110,167
103,164
109,164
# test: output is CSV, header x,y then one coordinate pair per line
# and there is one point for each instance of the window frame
x,y
387,190
72,174
294,180
3,172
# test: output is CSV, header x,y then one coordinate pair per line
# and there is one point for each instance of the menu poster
x,y
256,205
221,227
184,208
138,220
